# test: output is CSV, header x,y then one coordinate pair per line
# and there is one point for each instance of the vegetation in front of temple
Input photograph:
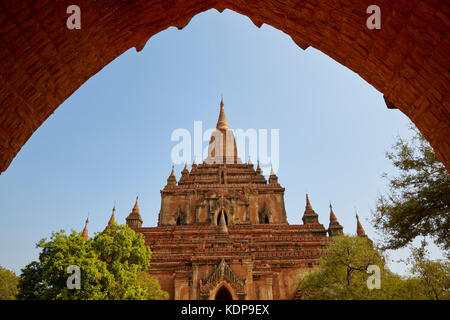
x,y
343,274
8,284
416,205
418,200
112,266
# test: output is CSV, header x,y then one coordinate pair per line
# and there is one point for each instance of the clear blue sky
x,y
110,141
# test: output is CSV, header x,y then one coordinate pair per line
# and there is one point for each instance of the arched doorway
x,y
223,294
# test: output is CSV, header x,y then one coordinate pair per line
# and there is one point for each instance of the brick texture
x,y
43,63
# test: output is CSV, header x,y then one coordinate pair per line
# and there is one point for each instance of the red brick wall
x,y
42,62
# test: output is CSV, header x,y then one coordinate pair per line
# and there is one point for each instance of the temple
x,y
223,233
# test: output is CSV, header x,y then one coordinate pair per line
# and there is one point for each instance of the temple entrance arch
x,y
223,291
223,294
222,276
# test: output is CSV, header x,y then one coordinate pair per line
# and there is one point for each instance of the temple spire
x,y
184,174
222,224
273,179
134,218
112,219
359,228
310,216
332,215
222,123
222,147
172,180
84,233
136,206
334,227
308,204
258,167
185,170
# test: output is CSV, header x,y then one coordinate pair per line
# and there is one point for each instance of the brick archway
x,y
42,62
223,294
223,285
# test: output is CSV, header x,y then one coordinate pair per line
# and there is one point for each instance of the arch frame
x,y
228,208
228,216
42,62
181,216
222,273
223,283
265,213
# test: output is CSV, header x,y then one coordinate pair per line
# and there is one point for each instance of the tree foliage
x,y
109,264
47,278
342,272
152,285
433,276
8,284
342,275
124,252
418,200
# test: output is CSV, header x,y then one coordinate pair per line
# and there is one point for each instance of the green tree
x,y
342,272
109,264
418,200
433,276
8,284
152,285
125,254
31,285
342,275
395,287
47,278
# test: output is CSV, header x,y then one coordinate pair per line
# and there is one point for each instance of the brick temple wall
x,y
266,259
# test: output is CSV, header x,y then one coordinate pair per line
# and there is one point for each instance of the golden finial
x,y
222,224
222,123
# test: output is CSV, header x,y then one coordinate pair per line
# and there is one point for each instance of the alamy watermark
x,y
74,20
251,144
374,280
374,20
74,280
